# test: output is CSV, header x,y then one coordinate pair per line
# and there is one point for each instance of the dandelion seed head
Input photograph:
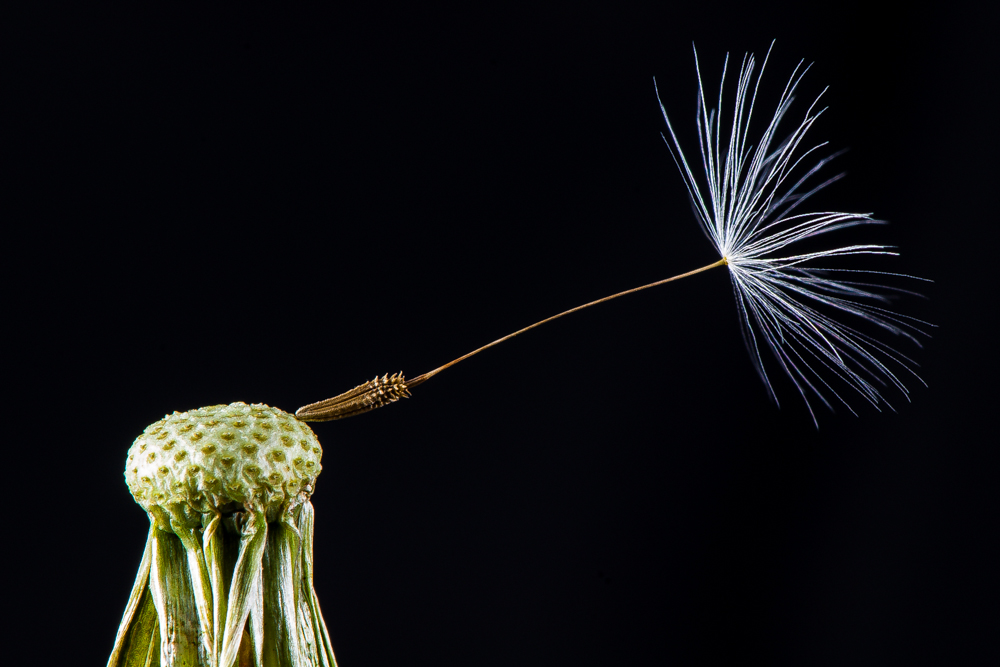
x,y
747,197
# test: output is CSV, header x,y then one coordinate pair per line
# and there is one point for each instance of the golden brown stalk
x,y
385,390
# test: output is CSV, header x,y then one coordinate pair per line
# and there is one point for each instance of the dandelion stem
x,y
427,376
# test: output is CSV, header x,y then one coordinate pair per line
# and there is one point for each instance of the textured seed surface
x,y
209,458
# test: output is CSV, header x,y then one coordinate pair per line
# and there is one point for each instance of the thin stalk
x,y
427,376
382,391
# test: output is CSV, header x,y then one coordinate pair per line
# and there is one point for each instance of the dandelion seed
x,y
782,299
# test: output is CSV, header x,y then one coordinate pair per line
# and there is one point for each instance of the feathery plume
x,y
785,301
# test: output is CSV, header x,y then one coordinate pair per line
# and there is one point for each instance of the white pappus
x,y
786,302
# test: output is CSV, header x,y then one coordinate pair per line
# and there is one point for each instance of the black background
x,y
273,206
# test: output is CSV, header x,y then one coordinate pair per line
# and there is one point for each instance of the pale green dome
x,y
219,458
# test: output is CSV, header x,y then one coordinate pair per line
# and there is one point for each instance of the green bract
x,y
226,577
